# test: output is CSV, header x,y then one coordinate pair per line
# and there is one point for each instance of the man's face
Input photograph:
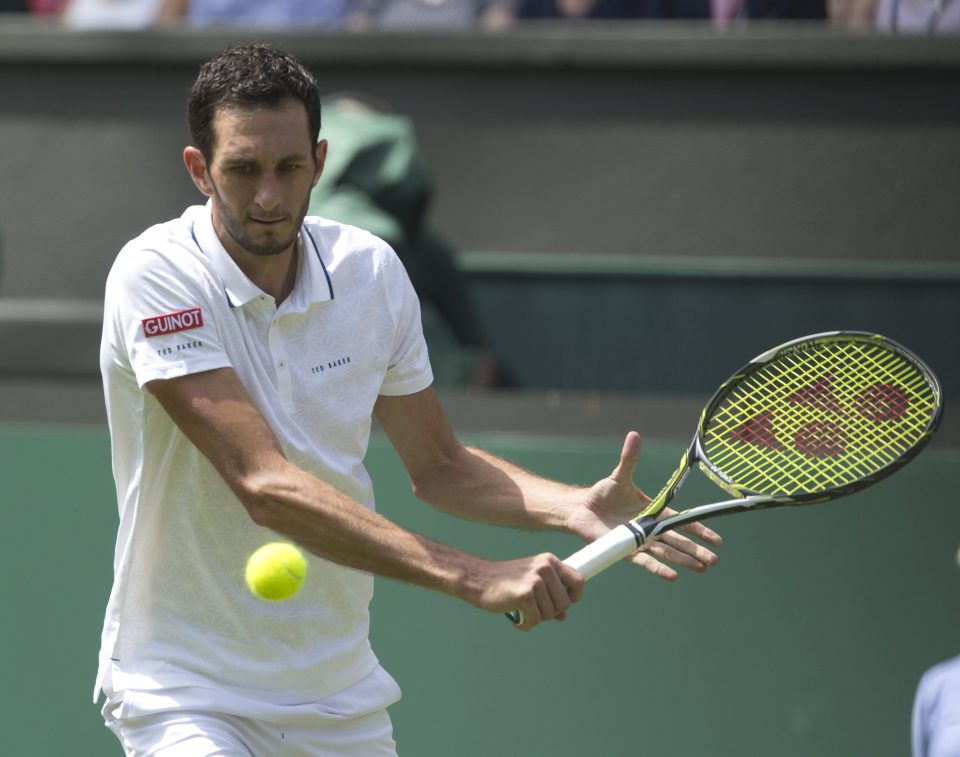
x,y
259,176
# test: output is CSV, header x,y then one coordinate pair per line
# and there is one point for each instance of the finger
x,y
629,456
559,598
703,533
573,582
681,551
695,529
654,566
544,599
689,546
559,595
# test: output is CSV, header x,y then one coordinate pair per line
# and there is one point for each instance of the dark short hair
x,y
249,76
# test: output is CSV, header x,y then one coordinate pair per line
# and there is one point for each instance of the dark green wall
x,y
682,328
807,639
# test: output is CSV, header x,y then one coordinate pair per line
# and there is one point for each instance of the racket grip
x,y
598,556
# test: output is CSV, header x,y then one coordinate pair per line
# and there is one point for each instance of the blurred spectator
x,y
722,11
430,14
583,9
111,14
787,9
376,177
46,7
614,9
725,11
33,7
262,14
918,16
852,13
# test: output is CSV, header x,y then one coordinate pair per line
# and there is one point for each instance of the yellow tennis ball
x,y
276,571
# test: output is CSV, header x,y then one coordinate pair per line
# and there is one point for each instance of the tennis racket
x,y
806,422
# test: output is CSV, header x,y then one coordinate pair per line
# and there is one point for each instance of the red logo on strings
x,y
819,396
877,403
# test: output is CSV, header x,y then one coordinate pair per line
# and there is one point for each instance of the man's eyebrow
x,y
241,158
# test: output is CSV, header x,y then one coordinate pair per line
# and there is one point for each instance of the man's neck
x,y
274,274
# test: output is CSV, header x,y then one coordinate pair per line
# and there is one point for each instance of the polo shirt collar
x,y
313,282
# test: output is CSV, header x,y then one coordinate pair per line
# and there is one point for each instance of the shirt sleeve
x,y
408,370
162,315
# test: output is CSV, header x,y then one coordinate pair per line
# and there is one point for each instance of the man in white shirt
x,y
245,349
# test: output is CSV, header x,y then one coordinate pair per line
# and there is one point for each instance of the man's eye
x,y
240,170
289,167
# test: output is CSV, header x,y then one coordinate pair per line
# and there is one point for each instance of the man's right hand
x,y
540,588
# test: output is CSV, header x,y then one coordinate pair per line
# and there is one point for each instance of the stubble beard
x,y
269,245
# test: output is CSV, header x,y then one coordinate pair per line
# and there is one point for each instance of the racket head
x,y
818,417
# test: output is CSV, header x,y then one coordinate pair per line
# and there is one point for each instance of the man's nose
x,y
268,192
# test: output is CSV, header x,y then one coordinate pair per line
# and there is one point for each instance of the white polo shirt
x,y
179,614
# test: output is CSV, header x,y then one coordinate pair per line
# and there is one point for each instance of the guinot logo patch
x,y
171,323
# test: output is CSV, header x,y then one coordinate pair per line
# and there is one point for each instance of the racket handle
x,y
597,556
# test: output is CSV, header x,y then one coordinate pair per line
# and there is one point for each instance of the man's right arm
x,y
214,410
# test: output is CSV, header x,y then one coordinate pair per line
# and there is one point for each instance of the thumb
x,y
629,456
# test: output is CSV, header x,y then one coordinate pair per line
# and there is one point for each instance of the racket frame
x,y
622,541
697,453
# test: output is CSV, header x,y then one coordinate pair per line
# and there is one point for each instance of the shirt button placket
x,y
279,352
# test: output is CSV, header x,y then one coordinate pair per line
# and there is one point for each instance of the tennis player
x,y
245,350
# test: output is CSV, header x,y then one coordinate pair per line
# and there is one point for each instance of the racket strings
x,y
818,417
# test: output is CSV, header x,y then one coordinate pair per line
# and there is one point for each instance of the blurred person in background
x,y
722,11
582,9
110,14
377,178
811,10
918,16
430,14
33,7
935,727
264,14
852,13
725,12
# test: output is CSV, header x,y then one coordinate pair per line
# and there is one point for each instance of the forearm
x,y
324,521
477,485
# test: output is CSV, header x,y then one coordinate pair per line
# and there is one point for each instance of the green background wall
x,y
808,638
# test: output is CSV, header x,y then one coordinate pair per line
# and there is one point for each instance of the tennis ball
x,y
276,571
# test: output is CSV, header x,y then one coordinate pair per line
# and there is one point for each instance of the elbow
x,y
429,483
419,489
261,496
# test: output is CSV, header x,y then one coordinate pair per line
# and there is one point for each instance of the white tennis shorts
x,y
335,727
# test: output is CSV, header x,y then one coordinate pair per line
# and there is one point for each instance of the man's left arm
x,y
476,485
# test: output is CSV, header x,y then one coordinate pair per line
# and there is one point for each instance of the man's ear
x,y
320,155
197,168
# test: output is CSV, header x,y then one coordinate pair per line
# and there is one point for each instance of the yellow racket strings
x,y
819,417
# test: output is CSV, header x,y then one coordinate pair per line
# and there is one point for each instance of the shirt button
x,y
283,364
